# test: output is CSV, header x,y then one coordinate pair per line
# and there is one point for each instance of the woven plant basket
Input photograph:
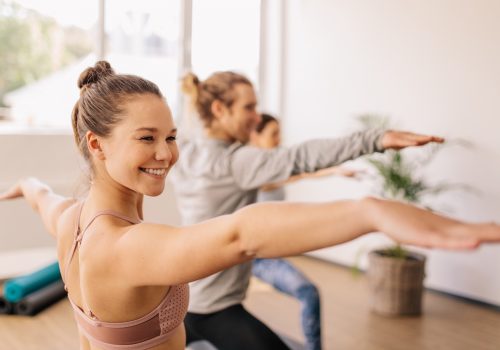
x,y
396,284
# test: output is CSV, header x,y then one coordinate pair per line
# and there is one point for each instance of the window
x,y
225,36
142,38
43,45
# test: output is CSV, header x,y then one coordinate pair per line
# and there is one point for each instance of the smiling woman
x,y
110,259
149,151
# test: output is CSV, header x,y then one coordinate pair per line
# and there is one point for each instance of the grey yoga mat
x,y
39,300
6,307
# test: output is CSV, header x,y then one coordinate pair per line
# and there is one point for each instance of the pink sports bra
x,y
143,333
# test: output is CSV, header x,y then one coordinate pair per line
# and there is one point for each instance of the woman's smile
x,y
158,173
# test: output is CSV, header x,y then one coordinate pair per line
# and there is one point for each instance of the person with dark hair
x,y
267,135
281,274
220,173
127,279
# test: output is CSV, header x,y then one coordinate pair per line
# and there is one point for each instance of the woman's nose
x,y
163,152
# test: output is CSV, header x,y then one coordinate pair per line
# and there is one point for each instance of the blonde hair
x,y
219,86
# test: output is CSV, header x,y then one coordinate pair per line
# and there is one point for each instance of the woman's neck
x,y
126,202
215,131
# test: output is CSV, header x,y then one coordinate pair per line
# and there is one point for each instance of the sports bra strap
x,y
112,213
74,245
78,236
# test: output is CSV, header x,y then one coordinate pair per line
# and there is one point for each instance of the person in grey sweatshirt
x,y
219,173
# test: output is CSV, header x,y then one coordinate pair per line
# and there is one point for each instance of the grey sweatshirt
x,y
214,178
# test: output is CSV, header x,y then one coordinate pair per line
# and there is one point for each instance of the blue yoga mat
x,y
16,288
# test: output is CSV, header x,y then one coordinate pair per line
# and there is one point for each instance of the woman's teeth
x,y
157,172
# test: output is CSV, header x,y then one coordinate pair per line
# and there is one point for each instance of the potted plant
x,y
396,274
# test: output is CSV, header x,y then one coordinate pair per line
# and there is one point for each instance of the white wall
x,y
272,59
53,159
433,66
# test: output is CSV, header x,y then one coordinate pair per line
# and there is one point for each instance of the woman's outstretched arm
x,y
170,255
42,199
297,228
325,225
332,171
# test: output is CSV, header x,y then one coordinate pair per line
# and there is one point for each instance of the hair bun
x,y
92,75
190,83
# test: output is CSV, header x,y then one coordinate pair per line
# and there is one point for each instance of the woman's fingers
x,y
444,242
487,232
441,240
11,193
402,139
423,140
461,236
411,225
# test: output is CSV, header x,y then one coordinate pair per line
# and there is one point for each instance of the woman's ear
x,y
218,108
94,145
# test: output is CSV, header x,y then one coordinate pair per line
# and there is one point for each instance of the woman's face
x,y
142,148
241,118
269,137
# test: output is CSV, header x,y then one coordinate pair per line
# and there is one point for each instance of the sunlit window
x,y
43,47
226,37
142,38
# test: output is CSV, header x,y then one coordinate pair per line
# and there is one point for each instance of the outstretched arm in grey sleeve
x,y
254,167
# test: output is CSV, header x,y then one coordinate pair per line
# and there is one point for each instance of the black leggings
x,y
233,328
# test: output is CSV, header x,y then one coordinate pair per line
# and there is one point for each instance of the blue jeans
x,y
287,279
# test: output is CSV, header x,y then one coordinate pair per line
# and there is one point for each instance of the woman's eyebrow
x,y
151,129
147,129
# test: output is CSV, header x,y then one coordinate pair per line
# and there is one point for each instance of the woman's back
x,y
99,290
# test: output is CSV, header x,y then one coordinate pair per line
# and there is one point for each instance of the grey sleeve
x,y
254,167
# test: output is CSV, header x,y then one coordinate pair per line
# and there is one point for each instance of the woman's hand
x,y
408,224
401,139
41,198
335,171
30,188
14,192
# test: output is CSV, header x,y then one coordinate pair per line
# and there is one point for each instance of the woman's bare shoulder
x,y
67,225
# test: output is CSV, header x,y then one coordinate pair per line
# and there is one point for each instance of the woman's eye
x,y
147,138
171,138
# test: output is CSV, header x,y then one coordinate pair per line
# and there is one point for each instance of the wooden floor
x,y
446,323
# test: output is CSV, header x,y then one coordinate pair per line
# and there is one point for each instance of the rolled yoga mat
x,y
6,307
39,300
16,288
